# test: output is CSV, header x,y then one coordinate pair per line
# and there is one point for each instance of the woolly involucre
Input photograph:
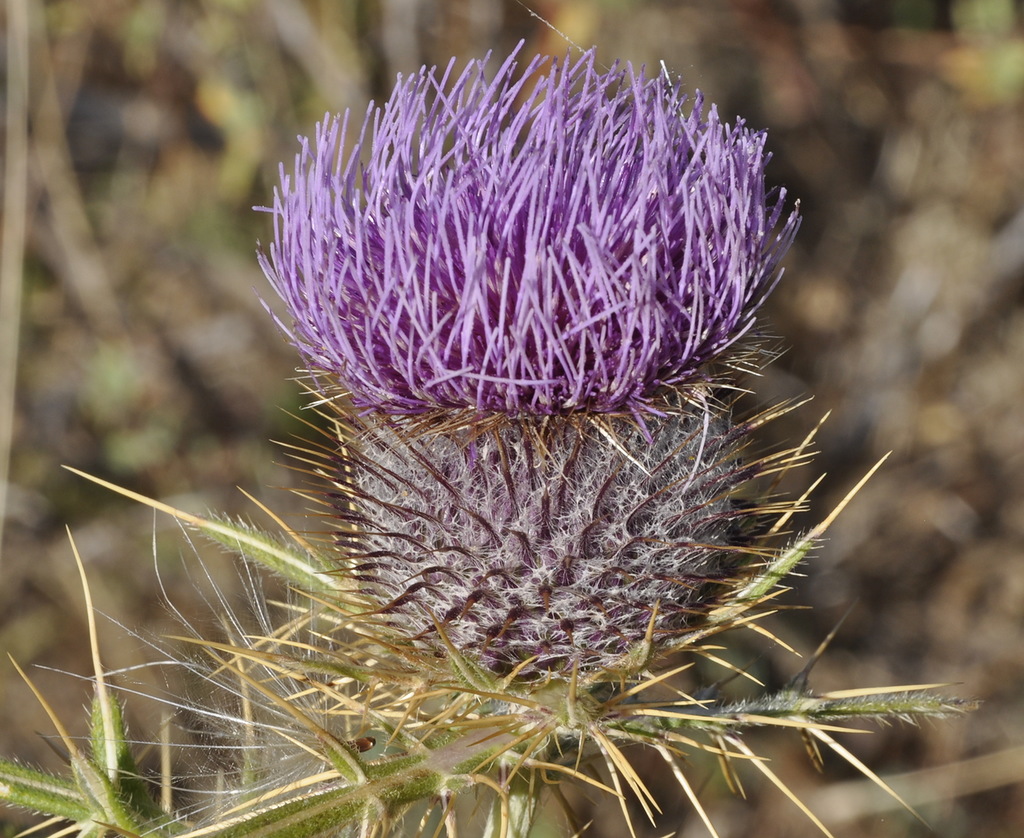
x,y
546,242
549,541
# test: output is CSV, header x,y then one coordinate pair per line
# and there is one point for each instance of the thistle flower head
x,y
557,241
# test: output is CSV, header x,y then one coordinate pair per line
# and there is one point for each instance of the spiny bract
x,y
547,544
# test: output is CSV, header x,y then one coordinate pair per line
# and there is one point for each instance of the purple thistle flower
x,y
540,244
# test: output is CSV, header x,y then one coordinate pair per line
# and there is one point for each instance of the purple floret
x,y
540,243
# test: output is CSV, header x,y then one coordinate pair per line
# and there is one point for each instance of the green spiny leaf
x,y
130,788
391,785
298,566
45,793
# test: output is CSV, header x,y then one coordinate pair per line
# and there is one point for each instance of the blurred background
x,y
134,346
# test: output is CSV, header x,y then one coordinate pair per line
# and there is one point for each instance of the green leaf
x,y
132,791
44,793
300,567
394,784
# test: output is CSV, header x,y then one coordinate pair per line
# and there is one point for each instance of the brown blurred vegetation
x,y
146,356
